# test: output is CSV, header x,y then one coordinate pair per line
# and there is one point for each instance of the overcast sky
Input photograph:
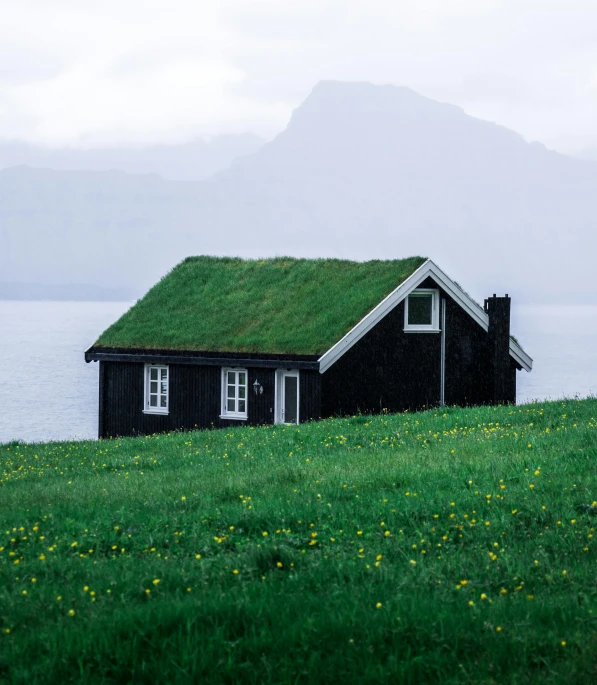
x,y
131,72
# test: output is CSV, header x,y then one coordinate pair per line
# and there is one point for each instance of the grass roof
x,y
276,306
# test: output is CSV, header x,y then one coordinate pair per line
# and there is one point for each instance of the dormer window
x,y
421,311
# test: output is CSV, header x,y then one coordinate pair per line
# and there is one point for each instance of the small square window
x,y
156,389
421,310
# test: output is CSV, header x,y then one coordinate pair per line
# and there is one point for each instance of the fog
x,y
143,72
134,134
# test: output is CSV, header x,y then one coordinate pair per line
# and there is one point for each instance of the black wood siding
x,y
469,361
389,369
386,370
310,396
468,374
194,397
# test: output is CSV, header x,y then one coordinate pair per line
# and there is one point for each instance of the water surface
x,y
562,340
48,392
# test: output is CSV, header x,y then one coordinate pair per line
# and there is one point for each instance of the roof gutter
x,y
93,356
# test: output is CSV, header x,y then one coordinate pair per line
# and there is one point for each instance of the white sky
x,y
131,72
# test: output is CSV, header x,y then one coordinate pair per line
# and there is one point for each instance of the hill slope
x,y
361,172
453,546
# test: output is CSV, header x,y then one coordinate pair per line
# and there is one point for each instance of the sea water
x,y
48,392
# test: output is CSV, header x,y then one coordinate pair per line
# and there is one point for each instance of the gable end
x,y
428,268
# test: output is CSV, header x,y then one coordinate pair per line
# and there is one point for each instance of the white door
x,y
287,399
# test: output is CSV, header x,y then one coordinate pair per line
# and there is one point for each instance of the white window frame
x,y
147,409
238,415
423,328
278,395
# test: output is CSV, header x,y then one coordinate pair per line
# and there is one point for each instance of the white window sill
x,y
234,417
422,330
163,412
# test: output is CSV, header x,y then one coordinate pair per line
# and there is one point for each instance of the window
x,y
234,394
156,389
421,311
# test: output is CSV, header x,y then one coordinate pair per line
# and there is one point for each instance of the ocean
x,y
48,392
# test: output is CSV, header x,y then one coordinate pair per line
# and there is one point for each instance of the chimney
x,y
498,310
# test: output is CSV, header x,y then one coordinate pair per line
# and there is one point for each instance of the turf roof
x,y
276,306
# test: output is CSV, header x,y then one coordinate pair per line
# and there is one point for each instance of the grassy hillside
x,y
442,547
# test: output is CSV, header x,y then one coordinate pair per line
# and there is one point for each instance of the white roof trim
x,y
520,355
426,269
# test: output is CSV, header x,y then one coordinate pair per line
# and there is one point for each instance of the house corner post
x,y
498,310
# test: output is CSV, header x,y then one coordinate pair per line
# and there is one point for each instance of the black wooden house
x,y
222,341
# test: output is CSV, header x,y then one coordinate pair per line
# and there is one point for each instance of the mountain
x,y
587,153
361,171
374,171
191,161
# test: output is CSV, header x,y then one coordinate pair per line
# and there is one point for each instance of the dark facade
x,y
194,398
388,369
392,370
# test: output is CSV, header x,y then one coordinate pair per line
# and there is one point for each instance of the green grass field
x,y
449,546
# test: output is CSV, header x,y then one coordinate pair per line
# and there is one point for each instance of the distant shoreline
x,y
71,292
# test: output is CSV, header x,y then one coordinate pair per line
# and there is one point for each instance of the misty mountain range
x,y
193,161
361,172
588,153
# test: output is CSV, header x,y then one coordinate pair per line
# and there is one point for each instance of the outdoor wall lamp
x,y
257,387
